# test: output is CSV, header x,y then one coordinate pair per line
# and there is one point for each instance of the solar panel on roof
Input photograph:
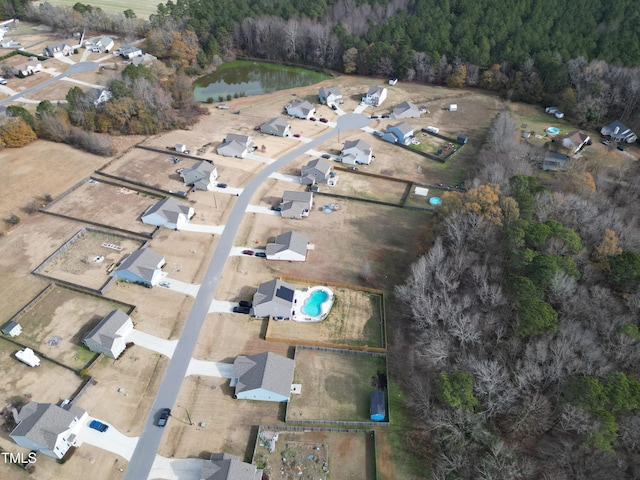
x,y
285,293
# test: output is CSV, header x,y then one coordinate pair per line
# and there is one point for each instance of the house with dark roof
x,y
11,328
223,466
289,246
300,109
110,335
554,161
399,133
202,175
168,213
235,145
58,49
317,171
265,376
273,299
375,96
619,132
356,152
129,51
574,141
296,204
330,95
277,126
142,266
48,428
406,109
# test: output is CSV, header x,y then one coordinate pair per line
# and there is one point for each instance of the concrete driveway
x,y
111,440
221,306
209,369
196,227
360,108
284,177
237,251
157,344
176,468
178,286
260,158
261,209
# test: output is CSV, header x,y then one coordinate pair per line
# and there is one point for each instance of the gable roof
x,y
105,332
43,422
402,127
10,325
277,124
304,106
406,108
274,290
143,262
168,208
224,466
319,164
326,91
619,130
203,168
293,196
268,371
361,145
376,90
296,242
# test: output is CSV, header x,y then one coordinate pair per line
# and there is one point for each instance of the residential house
x,y
168,213
265,376
48,428
330,95
574,141
11,328
276,126
273,299
110,335
296,204
58,49
554,161
202,175
406,110
129,51
619,132
317,171
399,133
289,246
375,96
100,44
10,44
142,266
300,109
223,466
102,96
356,152
235,145
29,67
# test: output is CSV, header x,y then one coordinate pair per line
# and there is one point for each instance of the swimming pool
x,y
313,305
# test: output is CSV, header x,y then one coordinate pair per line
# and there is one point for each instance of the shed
x,y
11,328
377,411
462,139
180,148
453,107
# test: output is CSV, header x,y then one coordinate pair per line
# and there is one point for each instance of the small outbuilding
x,y
453,107
11,328
377,410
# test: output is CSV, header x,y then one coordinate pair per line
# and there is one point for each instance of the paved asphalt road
x,y
75,68
145,452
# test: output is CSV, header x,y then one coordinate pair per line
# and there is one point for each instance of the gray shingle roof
x,y
169,208
375,90
224,466
296,242
276,124
142,262
267,371
10,325
406,108
358,144
402,127
319,164
274,290
105,332
43,422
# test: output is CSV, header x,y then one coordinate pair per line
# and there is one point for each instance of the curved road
x,y
145,452
75,68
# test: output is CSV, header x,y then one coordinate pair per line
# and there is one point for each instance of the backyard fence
x,y
32,302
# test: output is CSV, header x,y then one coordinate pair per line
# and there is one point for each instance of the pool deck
x,y
301,296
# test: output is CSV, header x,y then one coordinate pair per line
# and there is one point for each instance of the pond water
x,y
246,77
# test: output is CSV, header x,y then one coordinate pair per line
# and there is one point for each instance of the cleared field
x,y
142,8
56,325
107,204
335,385
85,261
370,188
355,319
318,455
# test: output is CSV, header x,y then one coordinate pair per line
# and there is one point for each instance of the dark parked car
x,y
222,185
261,254
324,120
313,119
620,147
333,107
165,413
245,310
606,142
353,169
325,155
276,208
386,115
297,135
96,425
375,116
247,252
245,303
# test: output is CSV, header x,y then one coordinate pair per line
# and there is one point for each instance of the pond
x,y
246,77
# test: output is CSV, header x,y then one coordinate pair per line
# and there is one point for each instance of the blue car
x,y
96,425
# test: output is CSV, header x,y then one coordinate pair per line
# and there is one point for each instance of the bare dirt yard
x,y
56,325
335,386
85,262
107,204
317,455
353,184
355,319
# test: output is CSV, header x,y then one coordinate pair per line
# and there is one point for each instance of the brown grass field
x,y
355,319
348,456
335,386
142,8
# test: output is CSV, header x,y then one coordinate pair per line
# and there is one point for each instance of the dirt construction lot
x,y
335,386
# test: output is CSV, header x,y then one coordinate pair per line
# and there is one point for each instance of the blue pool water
x,y
435,201
311,306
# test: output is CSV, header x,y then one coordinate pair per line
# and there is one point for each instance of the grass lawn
x,y
142,8
335,385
